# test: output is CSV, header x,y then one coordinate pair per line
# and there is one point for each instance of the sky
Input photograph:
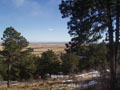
x,y
36,20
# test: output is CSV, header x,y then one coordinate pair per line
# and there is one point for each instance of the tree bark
x,y
8,83
111,49
117,36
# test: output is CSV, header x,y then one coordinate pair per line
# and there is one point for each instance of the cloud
x,y
35,13
19,3
50,29
54,1
35,8
32,7
26,3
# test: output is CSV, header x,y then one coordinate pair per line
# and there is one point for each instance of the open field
x,y
38,49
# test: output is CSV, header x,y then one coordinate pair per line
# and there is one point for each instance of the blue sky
x,y
37,20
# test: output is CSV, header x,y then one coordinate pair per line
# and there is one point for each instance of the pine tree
x,y
13,44
89,21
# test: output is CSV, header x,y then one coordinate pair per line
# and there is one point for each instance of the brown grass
x,y
40,48
34,86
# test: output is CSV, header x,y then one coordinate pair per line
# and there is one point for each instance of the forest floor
x,y
71,83
57,84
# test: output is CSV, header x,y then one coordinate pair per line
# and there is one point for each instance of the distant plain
x,y
38,49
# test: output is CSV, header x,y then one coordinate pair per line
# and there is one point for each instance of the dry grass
x,y
34,86
40,48
1,47
45,85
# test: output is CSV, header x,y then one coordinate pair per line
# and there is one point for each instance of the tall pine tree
x,y
13,45
89,21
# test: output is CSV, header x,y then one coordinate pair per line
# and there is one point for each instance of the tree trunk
x,y
117,36
8,83
112,62
112,65
111,49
